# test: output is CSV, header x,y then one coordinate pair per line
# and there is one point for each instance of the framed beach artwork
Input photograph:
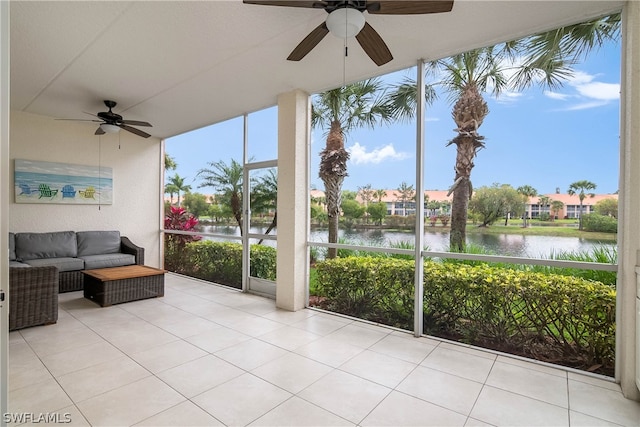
x,y
49,182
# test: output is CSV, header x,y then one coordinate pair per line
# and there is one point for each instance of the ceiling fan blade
x,y
81,120
99,131
373,45
136,131
136,123
290,3
408,7
309,43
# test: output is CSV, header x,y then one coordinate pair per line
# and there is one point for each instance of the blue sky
x,y
540,138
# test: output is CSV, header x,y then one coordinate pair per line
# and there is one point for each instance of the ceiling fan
x,y
111,122
346,19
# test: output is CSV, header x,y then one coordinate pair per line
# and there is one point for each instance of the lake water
x,y
499,244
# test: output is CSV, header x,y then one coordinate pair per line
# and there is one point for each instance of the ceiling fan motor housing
x,y
110,116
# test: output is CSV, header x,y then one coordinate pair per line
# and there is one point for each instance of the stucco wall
x,y
136,184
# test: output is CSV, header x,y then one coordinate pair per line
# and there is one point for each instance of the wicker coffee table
x,y
116,285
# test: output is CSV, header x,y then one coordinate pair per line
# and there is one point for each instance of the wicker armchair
x,y
33,296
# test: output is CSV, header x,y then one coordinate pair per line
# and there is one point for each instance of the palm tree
x,y
361,104
169,162
379,194
405,193
227,180
556,206
179,185
543,201
581,188
366,194
527,191
264,197
171,190
544,59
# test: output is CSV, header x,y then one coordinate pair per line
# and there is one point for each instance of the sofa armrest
x,y
33,296
128,247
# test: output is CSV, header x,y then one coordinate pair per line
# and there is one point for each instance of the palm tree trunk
x,y
236,208
462,191
274,222
459,207
333,170
468,113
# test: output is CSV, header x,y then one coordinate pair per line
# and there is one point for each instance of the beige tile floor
x,y
206,355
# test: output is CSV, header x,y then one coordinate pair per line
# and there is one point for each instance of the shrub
x,y
537,315
595,222
221,262
371,288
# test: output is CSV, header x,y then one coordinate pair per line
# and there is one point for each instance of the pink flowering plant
x,y
174,244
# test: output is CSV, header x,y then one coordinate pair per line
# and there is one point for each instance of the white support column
x,y
294,113
418,307
627,335
4,202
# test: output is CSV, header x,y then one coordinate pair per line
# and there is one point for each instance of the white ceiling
x,y
183,65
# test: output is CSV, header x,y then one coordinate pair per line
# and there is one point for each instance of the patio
x,y
208,355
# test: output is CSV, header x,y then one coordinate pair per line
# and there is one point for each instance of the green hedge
x,y
539,315
369,288
221,262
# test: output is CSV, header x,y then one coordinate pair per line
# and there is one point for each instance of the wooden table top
x,y
126,272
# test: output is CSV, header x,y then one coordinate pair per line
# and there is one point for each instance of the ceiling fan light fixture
x,y
109,128
345,22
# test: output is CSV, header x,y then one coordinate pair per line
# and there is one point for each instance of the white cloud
x,y
360,155
580,77
601,91
587,93
508,97
586,105
556,95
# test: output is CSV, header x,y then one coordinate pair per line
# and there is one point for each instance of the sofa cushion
x,y
12,247
108,260
18,264
63,264
98,242
58,244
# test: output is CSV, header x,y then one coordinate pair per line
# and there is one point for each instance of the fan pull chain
x,y
344,63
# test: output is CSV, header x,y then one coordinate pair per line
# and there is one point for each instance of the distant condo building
x,y
396,206
437,202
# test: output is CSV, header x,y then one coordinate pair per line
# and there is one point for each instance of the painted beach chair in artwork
x,y
68,191
88,193
46,191
25,189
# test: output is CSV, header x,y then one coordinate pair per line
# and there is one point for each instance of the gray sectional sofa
x,y
71,252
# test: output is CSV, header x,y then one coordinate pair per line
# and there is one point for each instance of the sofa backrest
x,y
98,242
57,244
12,247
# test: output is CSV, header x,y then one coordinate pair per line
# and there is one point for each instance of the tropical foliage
x,y
338,111
174,244
226,179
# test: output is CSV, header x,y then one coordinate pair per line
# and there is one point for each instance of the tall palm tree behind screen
x,y
337,111
545,59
